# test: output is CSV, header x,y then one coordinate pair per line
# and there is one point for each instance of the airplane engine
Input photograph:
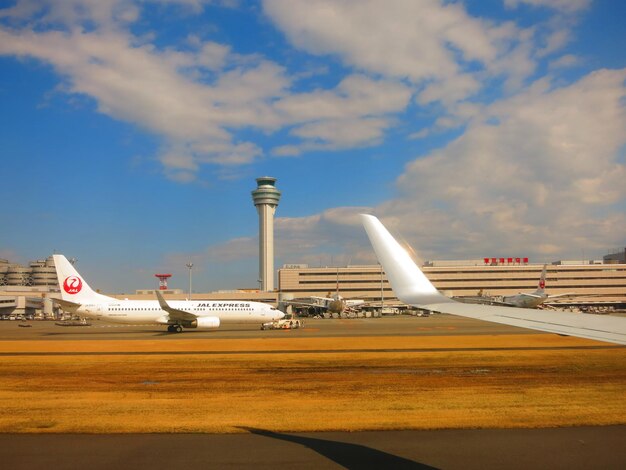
x,y
206,323
336,306
163,320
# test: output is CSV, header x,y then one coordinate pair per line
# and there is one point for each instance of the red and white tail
x,y
542,281
72,285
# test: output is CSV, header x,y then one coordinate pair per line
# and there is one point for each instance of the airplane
x,y
533,299
523,299
333,304
412,287
78,298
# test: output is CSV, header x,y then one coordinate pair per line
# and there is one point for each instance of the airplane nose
x,y
280,315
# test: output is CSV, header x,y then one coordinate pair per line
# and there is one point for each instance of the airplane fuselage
x,y
149,311
524,300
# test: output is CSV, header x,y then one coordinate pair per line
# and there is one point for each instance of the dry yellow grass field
x,y
361,383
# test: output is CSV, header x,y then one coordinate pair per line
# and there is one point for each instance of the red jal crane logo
x,y
72,285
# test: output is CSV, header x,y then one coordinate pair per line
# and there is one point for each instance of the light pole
x,y
189,265
382,292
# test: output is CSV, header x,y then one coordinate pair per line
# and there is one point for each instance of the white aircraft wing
x,y
571,294
605,328
304,303
532,296
174,313
412,287
66,303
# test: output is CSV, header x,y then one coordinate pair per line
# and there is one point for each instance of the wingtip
x,y
368,219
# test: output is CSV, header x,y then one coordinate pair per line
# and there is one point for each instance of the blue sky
x,y
131,133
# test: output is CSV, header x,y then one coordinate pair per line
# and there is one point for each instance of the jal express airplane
x,y
78,298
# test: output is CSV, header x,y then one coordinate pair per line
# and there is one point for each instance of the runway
x,y
568,447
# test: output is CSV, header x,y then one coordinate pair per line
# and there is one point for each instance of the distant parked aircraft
x,y
521,300
533,299
332,304
78,298
412,287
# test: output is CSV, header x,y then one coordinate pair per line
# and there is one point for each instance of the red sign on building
x,y
502,261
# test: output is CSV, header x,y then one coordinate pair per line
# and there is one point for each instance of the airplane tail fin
x,y
542,281
409,283
72,285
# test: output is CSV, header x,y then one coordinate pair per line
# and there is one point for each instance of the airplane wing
x,y
571,294
302,303
532,296
174,313
312,301
612,329
412,287
482,301
66,304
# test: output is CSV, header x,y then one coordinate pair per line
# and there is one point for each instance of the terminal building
x,y
26,291
591,282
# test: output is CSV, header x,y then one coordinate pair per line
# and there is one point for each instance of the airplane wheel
x,y
179,329
170,329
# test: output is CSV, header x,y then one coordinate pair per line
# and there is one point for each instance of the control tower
x,y
266,198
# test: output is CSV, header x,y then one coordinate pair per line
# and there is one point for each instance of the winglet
x,y
174,313
407,280
162,303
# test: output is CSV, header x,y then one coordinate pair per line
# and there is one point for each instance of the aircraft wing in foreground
x,y
412,287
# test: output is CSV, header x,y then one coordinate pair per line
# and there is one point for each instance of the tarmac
x,y
572,448
433,325
559,448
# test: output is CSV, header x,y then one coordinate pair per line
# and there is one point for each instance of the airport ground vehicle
x,y
287,323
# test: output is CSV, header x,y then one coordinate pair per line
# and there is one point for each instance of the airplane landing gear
x,y
175,329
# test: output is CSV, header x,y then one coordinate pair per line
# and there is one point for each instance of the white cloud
x,y
200,96
344,133
555,41
355,113
287,151
432,43
74,14
354,96
541,168
450,91
567,6
165,91
332,237
567,60
197,99
401,38
446,55
211,55
539,174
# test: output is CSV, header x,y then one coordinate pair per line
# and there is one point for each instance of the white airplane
x,y
533,299
78,298
412,287
334,304
523,299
